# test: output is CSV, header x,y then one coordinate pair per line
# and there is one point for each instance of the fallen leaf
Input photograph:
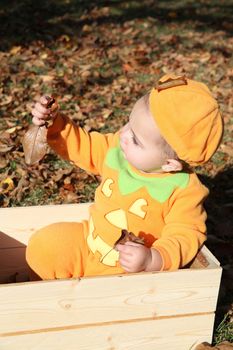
x,y
15,128
15,49
107,113
172,14
222,346
5,148
46,78
6,185
69,187
86,28
127,68
227,149
6,100
3,163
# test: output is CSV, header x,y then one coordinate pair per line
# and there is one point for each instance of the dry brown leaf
x,y
35,144
15,49
204,346
46,78
106,113
222,346
6,185
6,100
226,345
129,237
35,140
227,149
5,148
3,163
13,129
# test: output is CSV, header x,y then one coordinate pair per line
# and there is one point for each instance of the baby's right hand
x,y
42,112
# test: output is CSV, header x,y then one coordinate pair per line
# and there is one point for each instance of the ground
x,y
97,58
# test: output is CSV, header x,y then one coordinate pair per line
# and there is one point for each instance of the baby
x,y
147,185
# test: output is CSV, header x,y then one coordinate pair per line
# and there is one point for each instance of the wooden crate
x,y
163,310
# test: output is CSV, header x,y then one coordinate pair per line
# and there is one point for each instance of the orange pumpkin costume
x,y
166,209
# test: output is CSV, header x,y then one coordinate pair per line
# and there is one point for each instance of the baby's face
x,y
141,141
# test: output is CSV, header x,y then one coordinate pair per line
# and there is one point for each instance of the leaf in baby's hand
x,y
35,140
35,144
128,237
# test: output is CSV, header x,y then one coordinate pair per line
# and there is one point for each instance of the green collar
x,y
158,186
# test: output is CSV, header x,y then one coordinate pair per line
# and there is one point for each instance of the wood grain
x,y
40,305
20,222
180,333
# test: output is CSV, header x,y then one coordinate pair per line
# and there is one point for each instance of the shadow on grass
x,y
219,206
24,21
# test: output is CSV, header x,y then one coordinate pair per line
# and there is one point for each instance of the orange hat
x,y
188,118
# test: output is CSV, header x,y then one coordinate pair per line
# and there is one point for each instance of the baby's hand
x,y
44,110
135,257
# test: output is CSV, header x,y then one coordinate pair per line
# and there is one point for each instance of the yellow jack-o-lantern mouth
x,y
117,218
109,255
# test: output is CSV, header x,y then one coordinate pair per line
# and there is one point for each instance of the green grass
x,y
224,331
34,197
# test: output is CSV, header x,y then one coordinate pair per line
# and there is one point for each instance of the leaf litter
x,y
99,60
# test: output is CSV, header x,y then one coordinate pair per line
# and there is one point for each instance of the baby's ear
x,y
172,165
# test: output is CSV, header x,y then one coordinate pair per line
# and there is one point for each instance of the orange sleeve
x,y
86,150
185,230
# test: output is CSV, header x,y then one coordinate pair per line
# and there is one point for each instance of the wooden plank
x,y
20,222
41,305
179,333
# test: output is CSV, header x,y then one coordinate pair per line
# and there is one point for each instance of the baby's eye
x,y
134,140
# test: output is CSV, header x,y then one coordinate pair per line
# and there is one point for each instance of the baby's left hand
x,y
134,257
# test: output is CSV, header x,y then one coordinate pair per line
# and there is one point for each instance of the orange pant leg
x,y
58,250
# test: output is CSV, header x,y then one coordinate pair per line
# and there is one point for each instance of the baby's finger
x,y
124,260
38,122
44,100
120,248
42,109
132,244
126,267
126,249
123,263
38,114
